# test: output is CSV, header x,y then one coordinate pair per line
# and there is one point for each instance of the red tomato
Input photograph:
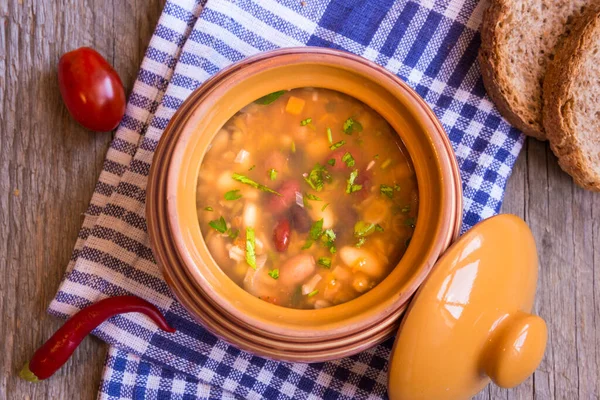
x,y
91,89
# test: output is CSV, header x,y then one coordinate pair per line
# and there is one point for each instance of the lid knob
x,y
515,349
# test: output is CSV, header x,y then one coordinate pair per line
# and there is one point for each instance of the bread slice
x,y
572,102
517,41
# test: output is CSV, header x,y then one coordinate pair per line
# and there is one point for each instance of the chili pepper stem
x,y
27,374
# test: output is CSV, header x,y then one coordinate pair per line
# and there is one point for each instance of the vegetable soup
x,y
307,198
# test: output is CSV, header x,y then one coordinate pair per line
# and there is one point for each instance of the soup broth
x,y
307,198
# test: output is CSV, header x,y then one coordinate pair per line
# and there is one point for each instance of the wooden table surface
x,y
49,165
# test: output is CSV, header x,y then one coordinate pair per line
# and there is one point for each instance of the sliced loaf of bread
x,y
572,102
518,38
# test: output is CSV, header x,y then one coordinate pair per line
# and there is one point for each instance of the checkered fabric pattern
x,y
431,44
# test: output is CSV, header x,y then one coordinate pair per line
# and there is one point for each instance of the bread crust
x,y
558,112
489,62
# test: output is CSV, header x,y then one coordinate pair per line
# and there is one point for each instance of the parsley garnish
x,y
349,160
331,161
248,181
274,273
219,225
387,191
337,144
316,230
250,245
208,208
324,262
324,207
360,242
328,239
313,293
312,197
273,174
306,121
329,136
351,187
351,126
376,156
317,176
233,195
233,234
363,229
271,97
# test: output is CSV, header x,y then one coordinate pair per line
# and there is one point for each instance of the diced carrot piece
x,y
294,105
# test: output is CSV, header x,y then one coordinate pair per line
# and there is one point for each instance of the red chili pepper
x,y
57,350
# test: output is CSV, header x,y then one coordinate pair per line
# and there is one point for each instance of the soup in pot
x,y
307,198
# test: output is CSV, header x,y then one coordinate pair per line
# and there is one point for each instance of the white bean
x,y
296,269
362,260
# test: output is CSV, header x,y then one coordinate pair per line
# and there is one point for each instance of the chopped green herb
x,y
387,191
405,209
328,239
248,181
324,262
274,273
351,187
324,207
316,230
332,250
361,241
313,197
306,121
376,157
293,146
233,234
317,176
362,228
273,174
208,208
307,245
410,222
337,144
329,136
378,228
233,195
348,159
351,126
271,97
252,167
331,161
386,163
219,225
250,245
313,293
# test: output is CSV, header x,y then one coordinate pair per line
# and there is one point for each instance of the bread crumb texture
x,y
518,41
572,102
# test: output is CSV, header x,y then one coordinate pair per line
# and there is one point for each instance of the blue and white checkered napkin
x,y
431,44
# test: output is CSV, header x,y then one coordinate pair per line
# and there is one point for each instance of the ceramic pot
x,y
215,300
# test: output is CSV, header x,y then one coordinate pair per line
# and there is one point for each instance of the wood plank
x,y
49,168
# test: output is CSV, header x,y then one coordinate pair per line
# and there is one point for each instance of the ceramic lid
x,y
470,321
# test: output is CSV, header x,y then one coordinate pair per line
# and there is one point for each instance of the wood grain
x,y
49,166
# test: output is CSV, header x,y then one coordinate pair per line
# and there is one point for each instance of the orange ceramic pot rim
x,y
209,107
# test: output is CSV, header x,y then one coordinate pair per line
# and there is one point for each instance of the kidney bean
x,y
300,219
364,179
288,189
281,235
